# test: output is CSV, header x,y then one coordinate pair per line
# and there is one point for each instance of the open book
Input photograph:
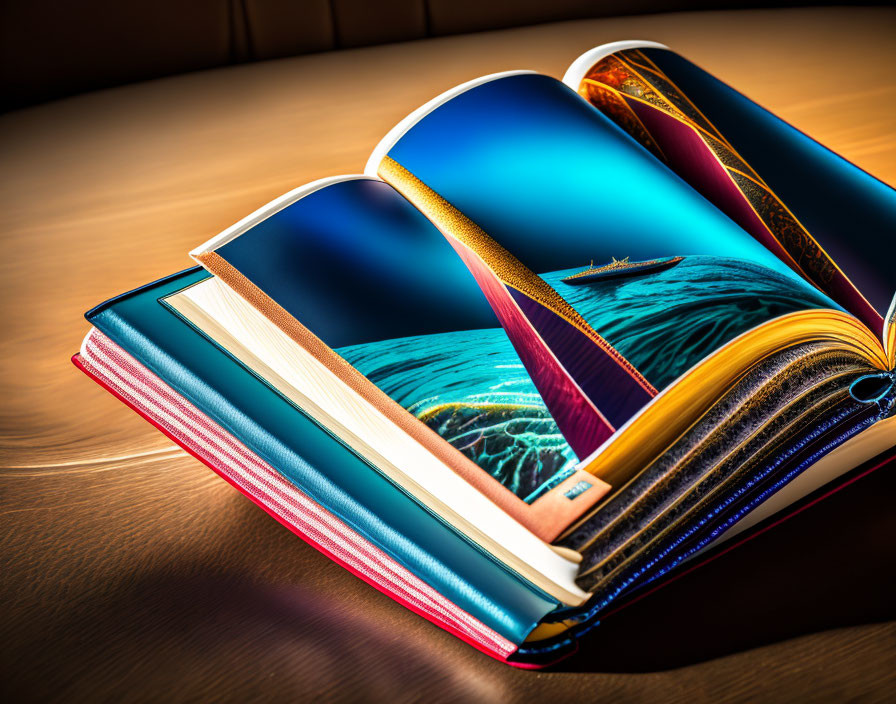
x,y
559,338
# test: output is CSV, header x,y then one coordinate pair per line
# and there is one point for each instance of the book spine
x,y
145,393
317,464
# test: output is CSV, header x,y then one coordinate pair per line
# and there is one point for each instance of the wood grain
x,y
130,572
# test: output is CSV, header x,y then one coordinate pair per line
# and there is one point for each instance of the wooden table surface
x,y
128,571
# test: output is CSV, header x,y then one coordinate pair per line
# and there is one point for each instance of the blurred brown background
x,y
50,49
128,571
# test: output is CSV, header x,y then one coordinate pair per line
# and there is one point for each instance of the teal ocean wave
x,y
471,388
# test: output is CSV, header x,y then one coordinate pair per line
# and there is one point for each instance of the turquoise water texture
x,y
471,388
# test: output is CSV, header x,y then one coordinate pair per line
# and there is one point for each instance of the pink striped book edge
x,y
136,386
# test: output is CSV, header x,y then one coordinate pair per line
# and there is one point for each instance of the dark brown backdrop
x,y
50,49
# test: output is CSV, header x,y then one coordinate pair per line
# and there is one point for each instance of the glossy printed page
x,y
609,274
822,215
373,280
356,275
557,183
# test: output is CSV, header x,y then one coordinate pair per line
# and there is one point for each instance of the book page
x,y
525,377
819,213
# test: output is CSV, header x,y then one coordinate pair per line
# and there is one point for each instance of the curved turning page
x,y
820,214
524,178
355,275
